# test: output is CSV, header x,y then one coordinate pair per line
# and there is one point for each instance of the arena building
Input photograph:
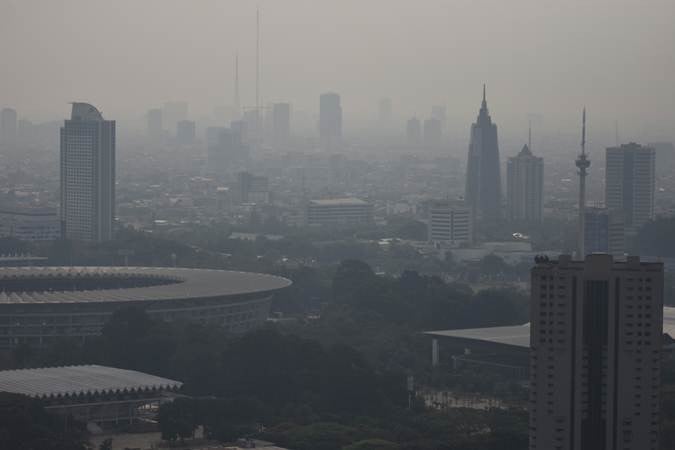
x,y
39,304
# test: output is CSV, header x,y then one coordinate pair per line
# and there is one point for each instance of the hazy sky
x,y
537,57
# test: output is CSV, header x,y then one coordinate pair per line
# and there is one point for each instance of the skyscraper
x,y
330,121
432,133
8,128
595,358
604,232
281,123
155,130
413,131
630,183
483,179
87,175
524,187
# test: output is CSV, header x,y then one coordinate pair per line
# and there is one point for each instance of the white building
x,y
630,183
87,174
595,337
525,187
31,225
450,222
338,211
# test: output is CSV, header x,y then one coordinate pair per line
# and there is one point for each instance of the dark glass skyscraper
x,y
483,178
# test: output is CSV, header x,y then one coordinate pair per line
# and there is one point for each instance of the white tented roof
x,y
80,380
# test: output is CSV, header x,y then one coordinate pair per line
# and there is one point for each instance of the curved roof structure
x,y
85,111
69,381
40,285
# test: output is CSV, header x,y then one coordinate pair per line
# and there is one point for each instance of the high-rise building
x,y
432,133
595,358
330,121
172,113
524,187
8,128
185,132
604,232
253,188
87,175
665,155
630,183
281,123
413,131
155,129
225,150
483,178
450,222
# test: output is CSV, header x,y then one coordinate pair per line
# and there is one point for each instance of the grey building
x,y
87,175
432,133
185,132
595,359
524,187
483,178
281,124
330,121
225,150
630,183
338,212
155,129
604,232
172,113
413,131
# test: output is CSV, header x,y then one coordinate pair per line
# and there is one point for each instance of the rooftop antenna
x,y
582,164
529,134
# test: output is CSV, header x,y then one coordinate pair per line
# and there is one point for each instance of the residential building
x,y
595,337
630,183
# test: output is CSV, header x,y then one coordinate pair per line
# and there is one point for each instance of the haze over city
x,y
337,225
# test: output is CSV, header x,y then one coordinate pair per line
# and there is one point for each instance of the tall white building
x,y
87,175
525,187
630,183
450,222
595,338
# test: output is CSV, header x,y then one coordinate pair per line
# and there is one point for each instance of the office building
x,y
338,211
432,133
172,113
155,130
413,132
185,132
630,184
595,338
450,222
281,124
665,155
604,232
87,175
330,122
483,178
8,128
524,187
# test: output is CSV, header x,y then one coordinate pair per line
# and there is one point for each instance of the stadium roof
x,y
519,335
70,381
174,284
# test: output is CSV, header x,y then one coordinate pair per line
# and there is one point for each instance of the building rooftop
x,y
349,201
519,335
70,381
39,285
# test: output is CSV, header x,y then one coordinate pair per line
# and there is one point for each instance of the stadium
x,y
39,304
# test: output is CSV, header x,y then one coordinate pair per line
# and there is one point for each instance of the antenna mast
x,y
582,164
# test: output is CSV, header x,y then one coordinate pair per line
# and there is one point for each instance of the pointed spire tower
x,y
582,164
